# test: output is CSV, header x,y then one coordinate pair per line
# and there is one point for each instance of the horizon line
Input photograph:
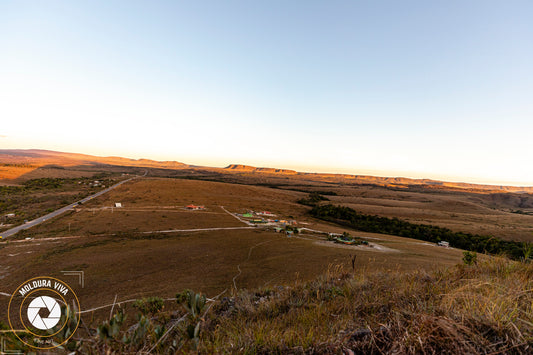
x,y
316,170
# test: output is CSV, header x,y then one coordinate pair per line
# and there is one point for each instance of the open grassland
x,y
466,212
108,221
477,213
272,293
276,294
505,215
158,204
508,215
132,266
181,192
121,256
504,212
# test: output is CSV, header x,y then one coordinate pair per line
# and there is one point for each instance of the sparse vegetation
x,y
150,305
154,331
469,258
484,308
44,183
36,197
479,308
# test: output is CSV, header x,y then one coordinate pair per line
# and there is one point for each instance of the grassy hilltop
x,y
476,309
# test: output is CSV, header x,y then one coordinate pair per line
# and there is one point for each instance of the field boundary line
x,y
235,216
197,229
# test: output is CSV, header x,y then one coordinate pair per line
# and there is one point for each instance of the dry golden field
x,y
465,212
152,246
120,258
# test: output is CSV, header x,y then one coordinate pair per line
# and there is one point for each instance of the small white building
x,y
443,243
10,215
118,205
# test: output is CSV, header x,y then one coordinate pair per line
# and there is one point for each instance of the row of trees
x,y
313,199
375,224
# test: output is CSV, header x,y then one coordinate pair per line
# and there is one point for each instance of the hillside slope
x,y
479,309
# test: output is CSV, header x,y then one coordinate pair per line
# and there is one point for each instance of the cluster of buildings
x,y
266,217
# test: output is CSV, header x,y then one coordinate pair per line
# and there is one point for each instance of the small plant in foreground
x,y
150,305
469,258
527,249
194,304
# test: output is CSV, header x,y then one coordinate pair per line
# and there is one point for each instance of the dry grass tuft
x,y
479,309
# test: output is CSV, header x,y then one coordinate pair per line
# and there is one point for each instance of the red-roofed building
x,y
195,208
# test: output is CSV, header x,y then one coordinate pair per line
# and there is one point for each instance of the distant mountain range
x,y
43,157
16,161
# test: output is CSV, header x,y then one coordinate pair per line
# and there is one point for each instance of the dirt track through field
x,y
198,230
235,216
248,258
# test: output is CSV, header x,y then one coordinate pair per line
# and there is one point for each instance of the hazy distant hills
x,y
16,162
248,168
398,182
38,157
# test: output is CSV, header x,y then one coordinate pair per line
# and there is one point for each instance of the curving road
x,y
60,211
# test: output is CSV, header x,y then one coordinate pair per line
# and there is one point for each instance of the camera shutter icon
x,y
54,312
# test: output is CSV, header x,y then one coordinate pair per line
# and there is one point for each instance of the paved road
x,y
60,211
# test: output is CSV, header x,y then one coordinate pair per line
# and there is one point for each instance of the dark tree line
x,y
313,199
394,226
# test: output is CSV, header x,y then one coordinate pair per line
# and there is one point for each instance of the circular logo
x,y
44,312
54,312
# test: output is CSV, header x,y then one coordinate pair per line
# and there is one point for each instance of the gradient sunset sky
x,y
427,89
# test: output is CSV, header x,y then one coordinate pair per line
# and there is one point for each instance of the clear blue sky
x,y
438,89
